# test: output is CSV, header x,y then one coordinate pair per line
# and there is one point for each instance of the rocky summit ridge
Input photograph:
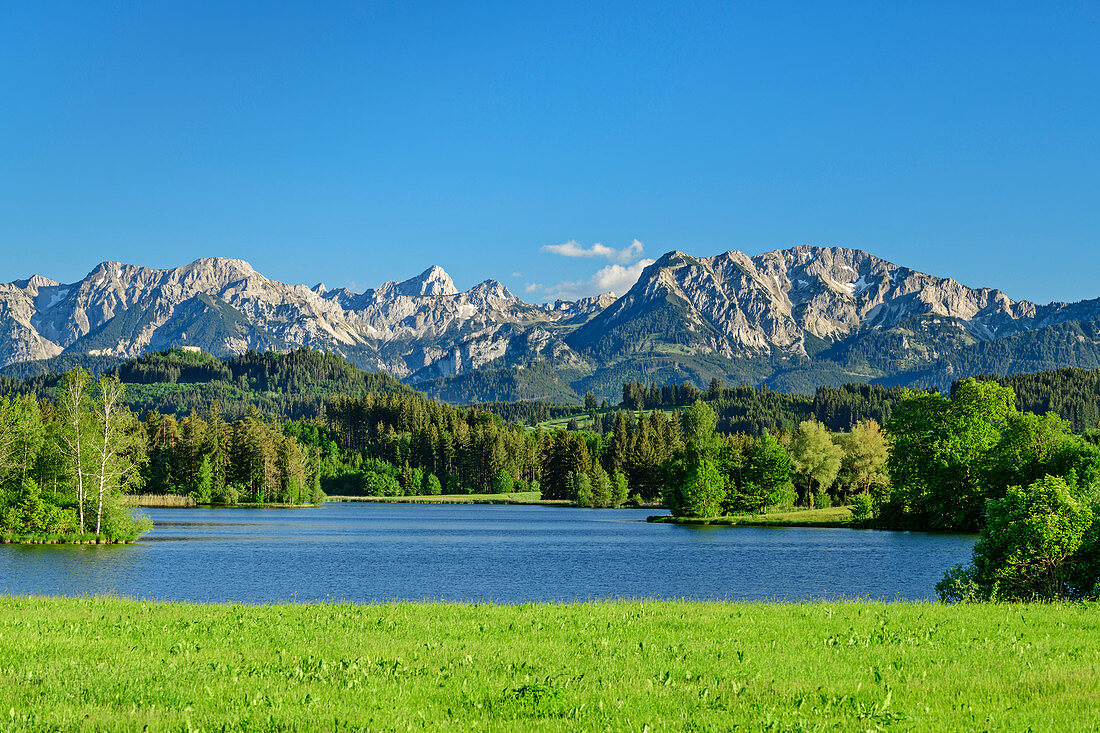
x,y
827,313
733,304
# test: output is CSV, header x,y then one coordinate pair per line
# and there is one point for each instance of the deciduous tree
x,y
815,458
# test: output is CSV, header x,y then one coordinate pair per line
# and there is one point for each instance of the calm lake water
x,y
507,554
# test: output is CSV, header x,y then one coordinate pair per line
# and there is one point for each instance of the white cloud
x,y
623,256
613,278
618,277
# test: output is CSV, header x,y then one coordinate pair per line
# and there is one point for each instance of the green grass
x,y
512,497
109,664
584,419
8,537
840,516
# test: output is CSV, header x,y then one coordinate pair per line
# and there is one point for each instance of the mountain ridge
x,y
824,313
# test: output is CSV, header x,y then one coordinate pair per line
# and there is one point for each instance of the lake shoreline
x,y
832,518
19,540
182,501
454,499
523,498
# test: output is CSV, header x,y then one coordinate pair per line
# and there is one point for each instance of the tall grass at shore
x,y
157,500
839,516
110,664
511,497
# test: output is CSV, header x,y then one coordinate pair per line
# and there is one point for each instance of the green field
x,y
839,516
584,419
109,664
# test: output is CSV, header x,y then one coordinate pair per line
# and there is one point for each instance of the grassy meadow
x,y
584,419
111,664
838,516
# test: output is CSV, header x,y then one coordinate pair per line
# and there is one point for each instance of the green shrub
x,y
503,482
863,506
1030,548
228,494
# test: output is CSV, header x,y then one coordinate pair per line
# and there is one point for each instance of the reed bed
x,y
158,500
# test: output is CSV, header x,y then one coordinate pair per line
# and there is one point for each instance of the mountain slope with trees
x,y
287,385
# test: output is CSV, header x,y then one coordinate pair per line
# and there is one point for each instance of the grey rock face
x,y
770,303
399,327
732,305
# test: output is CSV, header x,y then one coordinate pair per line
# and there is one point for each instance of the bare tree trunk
x,y
110,394
79,478
103,456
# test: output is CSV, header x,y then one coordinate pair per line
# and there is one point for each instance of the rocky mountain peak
x,y
433,281
595,302
733,304
34,283
672,259
220,268
491,289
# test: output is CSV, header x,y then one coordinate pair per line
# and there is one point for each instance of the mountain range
x,y
794,319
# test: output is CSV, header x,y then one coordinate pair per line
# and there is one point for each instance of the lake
x,y
507,554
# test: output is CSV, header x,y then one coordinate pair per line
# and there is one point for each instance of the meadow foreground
x,y
113,664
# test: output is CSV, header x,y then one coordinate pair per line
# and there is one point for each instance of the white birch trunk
x,y
110,392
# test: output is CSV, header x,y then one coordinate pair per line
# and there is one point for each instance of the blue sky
x,y
352,143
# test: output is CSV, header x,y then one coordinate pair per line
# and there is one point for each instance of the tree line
x,y
214,461
1072,394
277,385
66,462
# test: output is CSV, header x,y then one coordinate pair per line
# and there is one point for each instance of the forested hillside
x,y
287,385
1073,345
754,410
1072,394
58,365
537,381
295,384
740,409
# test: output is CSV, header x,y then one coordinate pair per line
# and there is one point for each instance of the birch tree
x,y
112,462
73,431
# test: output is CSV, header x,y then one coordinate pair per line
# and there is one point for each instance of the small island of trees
x,y
65,464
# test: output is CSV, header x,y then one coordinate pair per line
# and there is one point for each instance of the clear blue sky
x,y
357,142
